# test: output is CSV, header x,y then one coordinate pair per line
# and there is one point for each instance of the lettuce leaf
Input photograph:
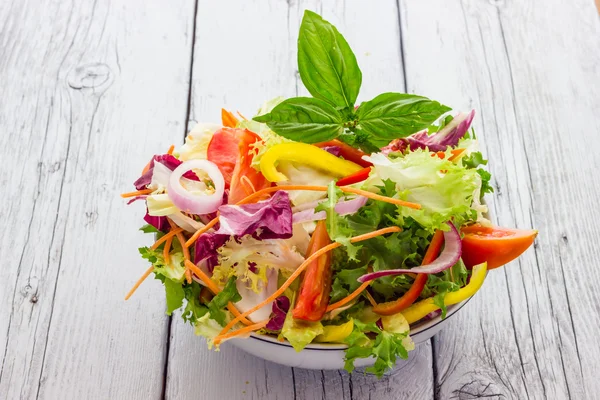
x,y
300,333
219,302
442,188
389,344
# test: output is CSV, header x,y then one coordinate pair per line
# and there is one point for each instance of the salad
x,y
323,220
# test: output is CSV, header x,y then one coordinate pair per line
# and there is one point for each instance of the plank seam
x,y
185,131
60,195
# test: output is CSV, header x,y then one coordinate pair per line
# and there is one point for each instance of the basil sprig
x,y
329,70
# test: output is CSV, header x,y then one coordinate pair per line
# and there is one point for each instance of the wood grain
x,y
82,110
528,334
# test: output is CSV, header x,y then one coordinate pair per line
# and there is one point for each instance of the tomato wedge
x,y
408,298
223,150
229,149
316,284
494,245
347,152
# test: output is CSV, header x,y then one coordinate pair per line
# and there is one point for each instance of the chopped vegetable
x,y
415,290
313,297
304,154
494,245
421,309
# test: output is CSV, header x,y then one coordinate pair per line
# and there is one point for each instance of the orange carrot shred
x,y
167,251
165,238
170,151
139,282
238,332
350,297
136,193
214,288
186,252
200,231
302,267
228,118
260,193
241,116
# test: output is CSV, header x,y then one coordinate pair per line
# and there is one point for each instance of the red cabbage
x,y
168,161
206,249
280,308
439,141
269,219
159,223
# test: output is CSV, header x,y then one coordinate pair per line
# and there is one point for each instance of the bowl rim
x,y
417,328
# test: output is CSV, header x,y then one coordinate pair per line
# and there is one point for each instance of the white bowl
x,y
329,356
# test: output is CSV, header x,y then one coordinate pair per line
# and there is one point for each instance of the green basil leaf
x,y
327,65
394,115
304,119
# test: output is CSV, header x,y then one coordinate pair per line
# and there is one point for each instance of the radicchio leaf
x,y
159,223
269,219
439,141
280,308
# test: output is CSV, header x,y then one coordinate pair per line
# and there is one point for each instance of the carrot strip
x,y
351,296
348,298
170,151
167,250
203,277
371,299
238,332
139,282
258,194
136,193
241,116
186,252
200,231
215,289
228,118
165,238
302,267
345,189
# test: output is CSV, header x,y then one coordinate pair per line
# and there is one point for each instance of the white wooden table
x,y
90,89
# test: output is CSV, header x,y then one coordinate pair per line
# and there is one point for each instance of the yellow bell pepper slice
x,y
304,154
424,307
335,333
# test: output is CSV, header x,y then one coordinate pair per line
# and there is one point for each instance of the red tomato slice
x,y
246,180
494,245
223,150
316,284
229,149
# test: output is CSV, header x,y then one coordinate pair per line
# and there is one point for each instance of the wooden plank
x,y
238,63
89,90
531,71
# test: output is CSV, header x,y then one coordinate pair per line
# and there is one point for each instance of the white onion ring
x,y
196,204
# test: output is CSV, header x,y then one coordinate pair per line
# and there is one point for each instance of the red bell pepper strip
x,y
347,152
394,307
316,285
355,177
